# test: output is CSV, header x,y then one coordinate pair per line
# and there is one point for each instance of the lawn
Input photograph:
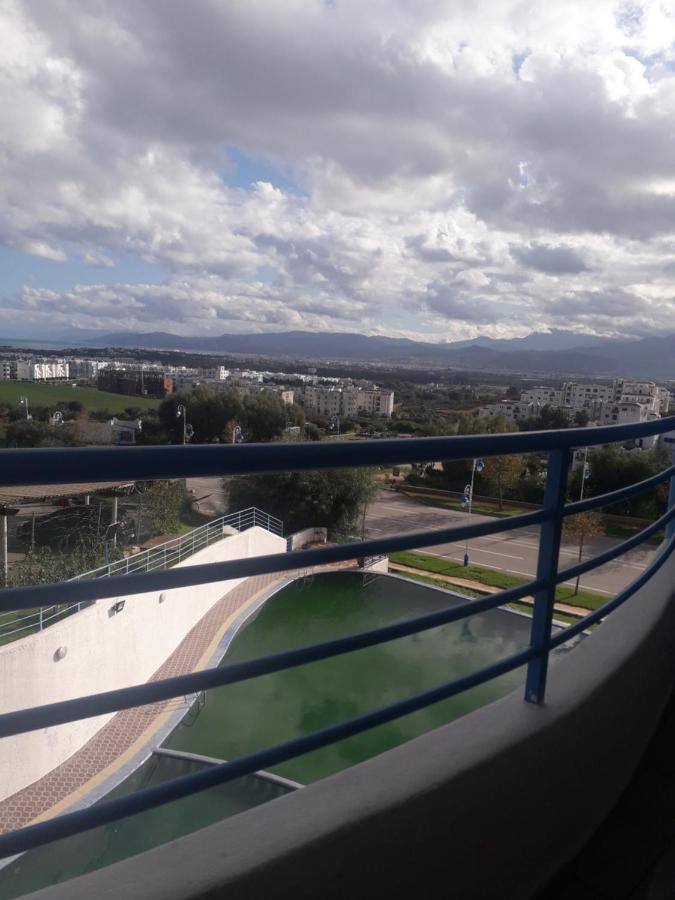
x,y
50,394
443,566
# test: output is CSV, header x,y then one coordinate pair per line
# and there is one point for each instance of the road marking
x,y
587,587
494,553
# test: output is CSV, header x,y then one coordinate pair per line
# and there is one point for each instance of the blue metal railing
x,y
62,466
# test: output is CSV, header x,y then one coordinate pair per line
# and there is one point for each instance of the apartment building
x,y
333,401
42,370
543,396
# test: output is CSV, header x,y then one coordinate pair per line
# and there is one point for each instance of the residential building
x,y
543,396
42,370
135,382
333,401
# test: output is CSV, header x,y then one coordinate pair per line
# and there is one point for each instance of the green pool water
x,y
240,718
244,717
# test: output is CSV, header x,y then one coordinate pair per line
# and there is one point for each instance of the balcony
x,y
492,805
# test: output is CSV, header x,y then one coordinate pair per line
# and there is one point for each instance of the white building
x,y
53,370
543,396
511,410
85,368
330,401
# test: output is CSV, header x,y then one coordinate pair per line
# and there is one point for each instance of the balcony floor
x,y
632,855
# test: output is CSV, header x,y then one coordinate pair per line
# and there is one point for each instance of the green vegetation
x,y
336,499
484,509
51,394
443,566
164,501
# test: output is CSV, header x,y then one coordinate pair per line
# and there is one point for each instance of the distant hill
x,y
555,353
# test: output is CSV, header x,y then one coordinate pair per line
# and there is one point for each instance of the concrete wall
x,y
487,807
309,535
104,651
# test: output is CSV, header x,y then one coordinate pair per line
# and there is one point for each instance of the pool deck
x,y
128,737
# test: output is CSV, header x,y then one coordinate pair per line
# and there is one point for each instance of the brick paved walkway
x,y
103,753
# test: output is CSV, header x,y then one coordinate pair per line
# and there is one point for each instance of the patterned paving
x,y
104,751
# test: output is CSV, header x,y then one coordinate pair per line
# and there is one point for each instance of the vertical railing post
x,y
670,527
40,618
547,569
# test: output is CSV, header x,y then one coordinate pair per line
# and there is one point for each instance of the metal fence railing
x,y
161,556
45,466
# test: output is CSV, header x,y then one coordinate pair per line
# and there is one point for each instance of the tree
x,y
163,501
335,499
500,472
263,417
582,526
611,467
581,418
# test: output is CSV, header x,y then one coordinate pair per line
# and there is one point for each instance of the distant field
x,y
48,394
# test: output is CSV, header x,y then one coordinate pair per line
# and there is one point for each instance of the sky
x,y
416,168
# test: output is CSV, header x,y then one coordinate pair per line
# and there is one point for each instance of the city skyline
x,y
419,170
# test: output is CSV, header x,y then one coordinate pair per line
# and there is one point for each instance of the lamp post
x,y
188,430
237,435
585,474
477,466
23,401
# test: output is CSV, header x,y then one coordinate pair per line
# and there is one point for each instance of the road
x,y
514,552
208,493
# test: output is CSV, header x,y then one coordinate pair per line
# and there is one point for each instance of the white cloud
x,y
487,167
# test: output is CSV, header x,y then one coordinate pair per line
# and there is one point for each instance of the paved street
x,y
514,552
209,495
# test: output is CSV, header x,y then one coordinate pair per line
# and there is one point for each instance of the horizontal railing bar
x,y
603,611
59,713
74,465
601,559
573,509
205,573
111,810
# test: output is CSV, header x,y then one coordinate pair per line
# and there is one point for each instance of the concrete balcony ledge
x,y
490,806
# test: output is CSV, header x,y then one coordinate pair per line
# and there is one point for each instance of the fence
x,y
162,556
48,466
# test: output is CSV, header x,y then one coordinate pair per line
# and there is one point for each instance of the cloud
x,y
551,260
449,163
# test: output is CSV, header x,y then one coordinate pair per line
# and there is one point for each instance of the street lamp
x,y
237,435
477,466
23,401
188,430
335,423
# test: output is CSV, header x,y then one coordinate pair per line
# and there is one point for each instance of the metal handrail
x,y
165,462
161,556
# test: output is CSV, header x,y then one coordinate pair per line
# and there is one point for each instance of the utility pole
x,y
584,475
3,546
114,518
477,466
5,511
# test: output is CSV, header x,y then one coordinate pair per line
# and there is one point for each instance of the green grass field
x,y
50,394
442,566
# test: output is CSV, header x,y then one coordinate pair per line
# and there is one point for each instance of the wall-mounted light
x,y
162,598
118,607
60,653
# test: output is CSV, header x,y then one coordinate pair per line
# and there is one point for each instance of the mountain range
x,y
555,353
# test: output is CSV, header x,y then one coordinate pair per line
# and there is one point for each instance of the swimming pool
x,y
240,718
